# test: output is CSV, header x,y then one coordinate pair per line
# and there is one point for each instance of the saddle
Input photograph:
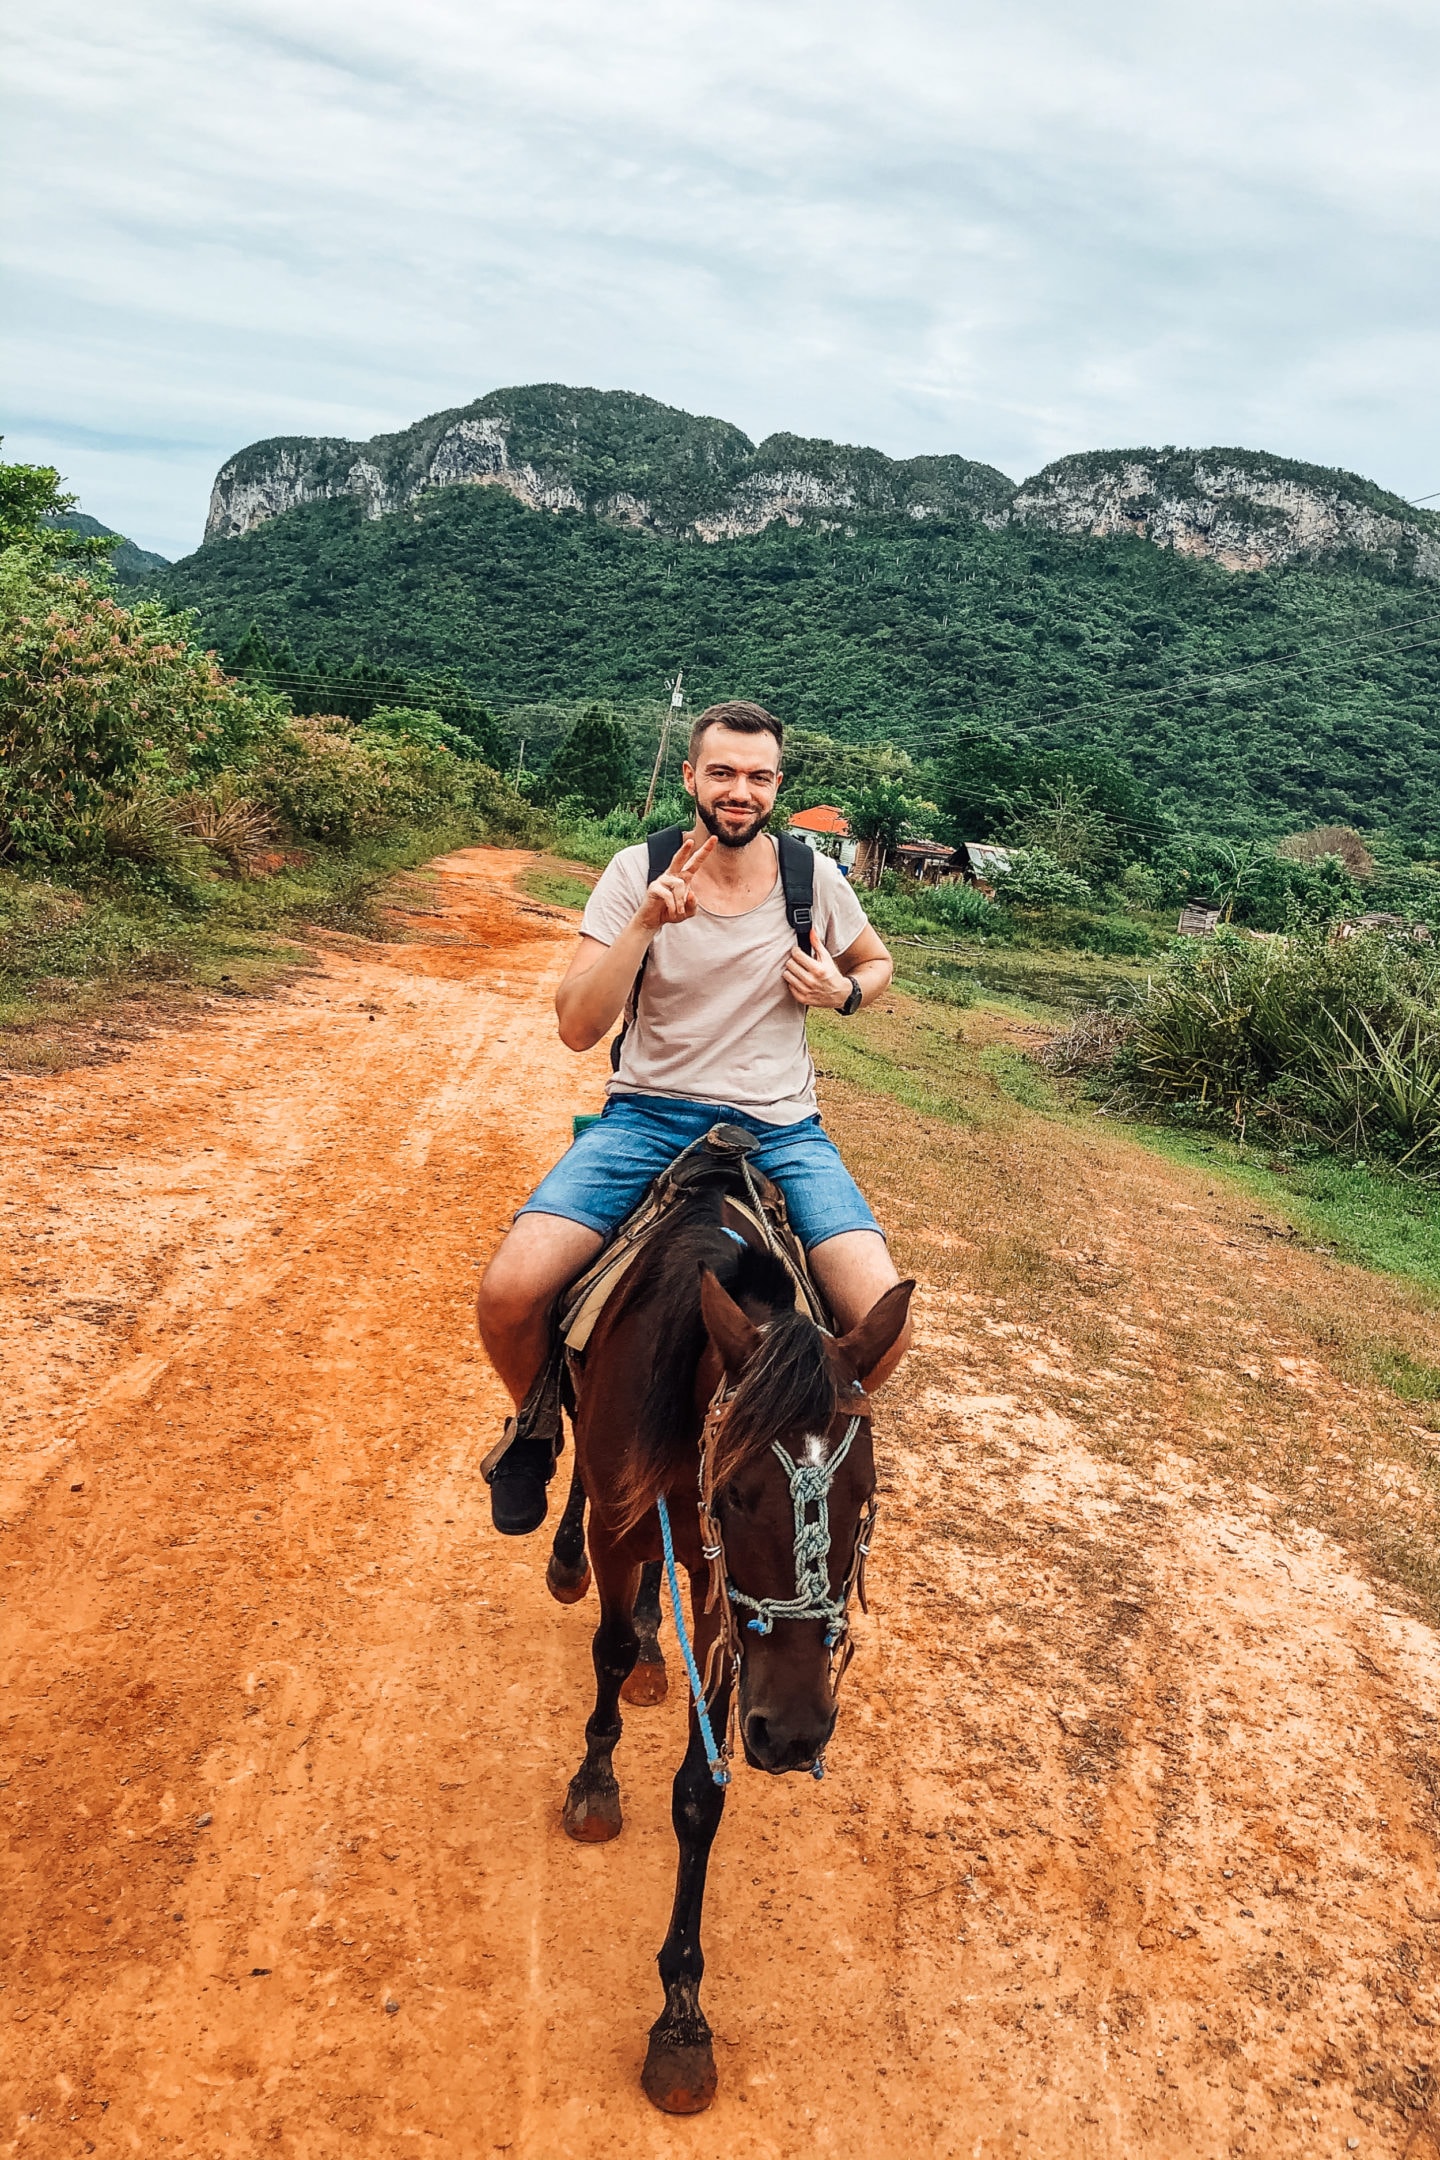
x,y
752,1210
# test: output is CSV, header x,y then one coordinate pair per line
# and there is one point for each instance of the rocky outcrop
x,y
604,453
1237,508
614,455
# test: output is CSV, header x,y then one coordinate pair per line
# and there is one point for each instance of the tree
x,y
29,494
593,765
879,815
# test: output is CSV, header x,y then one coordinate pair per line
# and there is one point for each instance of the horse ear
x,y
736,1338
862,1349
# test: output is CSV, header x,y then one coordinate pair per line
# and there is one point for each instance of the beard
x,y
739,839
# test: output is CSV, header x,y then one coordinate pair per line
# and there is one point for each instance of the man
x,y
717,1036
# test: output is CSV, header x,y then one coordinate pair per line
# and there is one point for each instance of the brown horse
x,y
705,1394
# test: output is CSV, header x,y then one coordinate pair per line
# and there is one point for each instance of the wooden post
x,y
677,699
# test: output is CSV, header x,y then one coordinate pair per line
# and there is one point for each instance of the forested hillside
x,y
1269,699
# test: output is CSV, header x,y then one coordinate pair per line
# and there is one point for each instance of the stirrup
x,y
538,1419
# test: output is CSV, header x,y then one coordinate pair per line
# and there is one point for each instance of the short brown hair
x,y
745,719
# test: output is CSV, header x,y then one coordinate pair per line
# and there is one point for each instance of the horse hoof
x,y
647,1684
567,1585
593,1818
680,2080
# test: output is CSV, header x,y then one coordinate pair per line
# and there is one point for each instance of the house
x,y
827,830
928,860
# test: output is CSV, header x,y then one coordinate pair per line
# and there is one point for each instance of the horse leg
x,y
567,1578
592,1805
647,1683
679,2072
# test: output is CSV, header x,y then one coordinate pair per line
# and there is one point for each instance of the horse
x,y
706,1400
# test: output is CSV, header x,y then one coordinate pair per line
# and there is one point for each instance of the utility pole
x,y
677,700
520,765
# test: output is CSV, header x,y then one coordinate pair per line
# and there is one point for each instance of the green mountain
x,y
131,564
1259,640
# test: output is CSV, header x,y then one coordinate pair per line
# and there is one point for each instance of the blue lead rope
x,y
713,1755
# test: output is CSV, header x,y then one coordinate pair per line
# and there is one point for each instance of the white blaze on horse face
x,y
815,1447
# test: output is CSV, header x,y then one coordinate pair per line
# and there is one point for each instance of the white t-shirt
x,y
717,1023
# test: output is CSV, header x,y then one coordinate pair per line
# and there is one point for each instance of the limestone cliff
x,y
1239,508
606,453
615,455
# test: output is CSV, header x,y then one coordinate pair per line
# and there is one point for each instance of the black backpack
x,y
797,879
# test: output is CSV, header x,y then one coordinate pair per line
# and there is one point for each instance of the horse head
x,y
789,1472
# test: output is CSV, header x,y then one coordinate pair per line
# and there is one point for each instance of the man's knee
x,y
531,1268
509,1295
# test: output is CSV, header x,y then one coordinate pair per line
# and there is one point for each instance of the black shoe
x,y
518,1473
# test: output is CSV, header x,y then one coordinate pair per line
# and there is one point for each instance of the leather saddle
x,y
752,1210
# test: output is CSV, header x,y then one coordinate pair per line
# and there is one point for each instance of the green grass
x,y
1370,1215
1042,980
556,887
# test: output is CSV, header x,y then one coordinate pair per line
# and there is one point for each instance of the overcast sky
x,y
1011,228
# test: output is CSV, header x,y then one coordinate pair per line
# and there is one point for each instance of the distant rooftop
x,y
823,818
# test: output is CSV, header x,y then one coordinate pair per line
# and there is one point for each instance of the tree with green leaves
x,y
29,494
593,765
879,815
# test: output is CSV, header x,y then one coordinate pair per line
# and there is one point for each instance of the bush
x,y
1036,880
1335,1042
98,701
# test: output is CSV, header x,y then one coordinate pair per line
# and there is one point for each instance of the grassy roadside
x,y
1361,1212
78,966
1169,1308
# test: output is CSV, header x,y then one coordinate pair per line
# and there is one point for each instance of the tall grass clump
x,y
1308,1038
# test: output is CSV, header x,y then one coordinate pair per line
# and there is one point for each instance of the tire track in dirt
x,y
284,1730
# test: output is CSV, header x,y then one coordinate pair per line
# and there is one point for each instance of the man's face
x,y
734,783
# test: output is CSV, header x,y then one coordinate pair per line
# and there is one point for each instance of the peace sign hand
x,y
669,899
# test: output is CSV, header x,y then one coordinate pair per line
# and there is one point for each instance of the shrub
x,y
1338,1042
1036,880
96,700
959,907
225,819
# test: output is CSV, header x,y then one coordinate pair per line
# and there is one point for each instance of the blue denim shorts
x,y
603,1176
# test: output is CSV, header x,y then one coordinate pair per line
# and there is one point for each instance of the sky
x,y
1007,228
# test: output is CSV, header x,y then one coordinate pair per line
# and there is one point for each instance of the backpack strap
x,y
797,875
661,848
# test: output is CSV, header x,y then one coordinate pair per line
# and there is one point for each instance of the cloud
x,y
1012,229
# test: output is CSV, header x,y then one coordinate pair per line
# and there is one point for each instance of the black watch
x,y
853,1003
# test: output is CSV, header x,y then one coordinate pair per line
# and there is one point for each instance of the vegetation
x,y
1309,1040
1250,705
592,768
154,809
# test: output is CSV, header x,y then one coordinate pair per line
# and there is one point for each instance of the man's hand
x,y
670,899
813,978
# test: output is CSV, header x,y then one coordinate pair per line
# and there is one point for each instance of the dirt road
x,y
1128,1845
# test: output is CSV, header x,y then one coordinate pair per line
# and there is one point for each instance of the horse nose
x,y
777,1744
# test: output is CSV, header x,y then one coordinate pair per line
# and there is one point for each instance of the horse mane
x,y
787,1383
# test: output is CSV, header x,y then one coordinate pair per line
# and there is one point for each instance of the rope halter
x,y
809,1489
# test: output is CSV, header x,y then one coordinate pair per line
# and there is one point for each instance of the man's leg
x,y
515,1310
854,1270
517,1296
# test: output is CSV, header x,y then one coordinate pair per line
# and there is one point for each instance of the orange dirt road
x,y
1128,1842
